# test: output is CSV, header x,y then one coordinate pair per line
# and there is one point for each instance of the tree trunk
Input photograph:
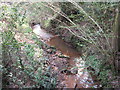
x,y
117,39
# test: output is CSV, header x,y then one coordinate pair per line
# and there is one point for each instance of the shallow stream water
x,y
81,79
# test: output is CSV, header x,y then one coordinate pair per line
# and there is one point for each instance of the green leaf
x,y
27,30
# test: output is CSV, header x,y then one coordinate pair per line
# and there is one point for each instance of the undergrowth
x,y
20,68
88,26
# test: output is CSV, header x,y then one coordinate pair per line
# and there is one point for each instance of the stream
x,y
67,79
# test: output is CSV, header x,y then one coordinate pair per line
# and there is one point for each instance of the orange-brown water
x,y
65,49
80,80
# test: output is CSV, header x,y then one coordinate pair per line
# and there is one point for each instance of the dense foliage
x,y
89,28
